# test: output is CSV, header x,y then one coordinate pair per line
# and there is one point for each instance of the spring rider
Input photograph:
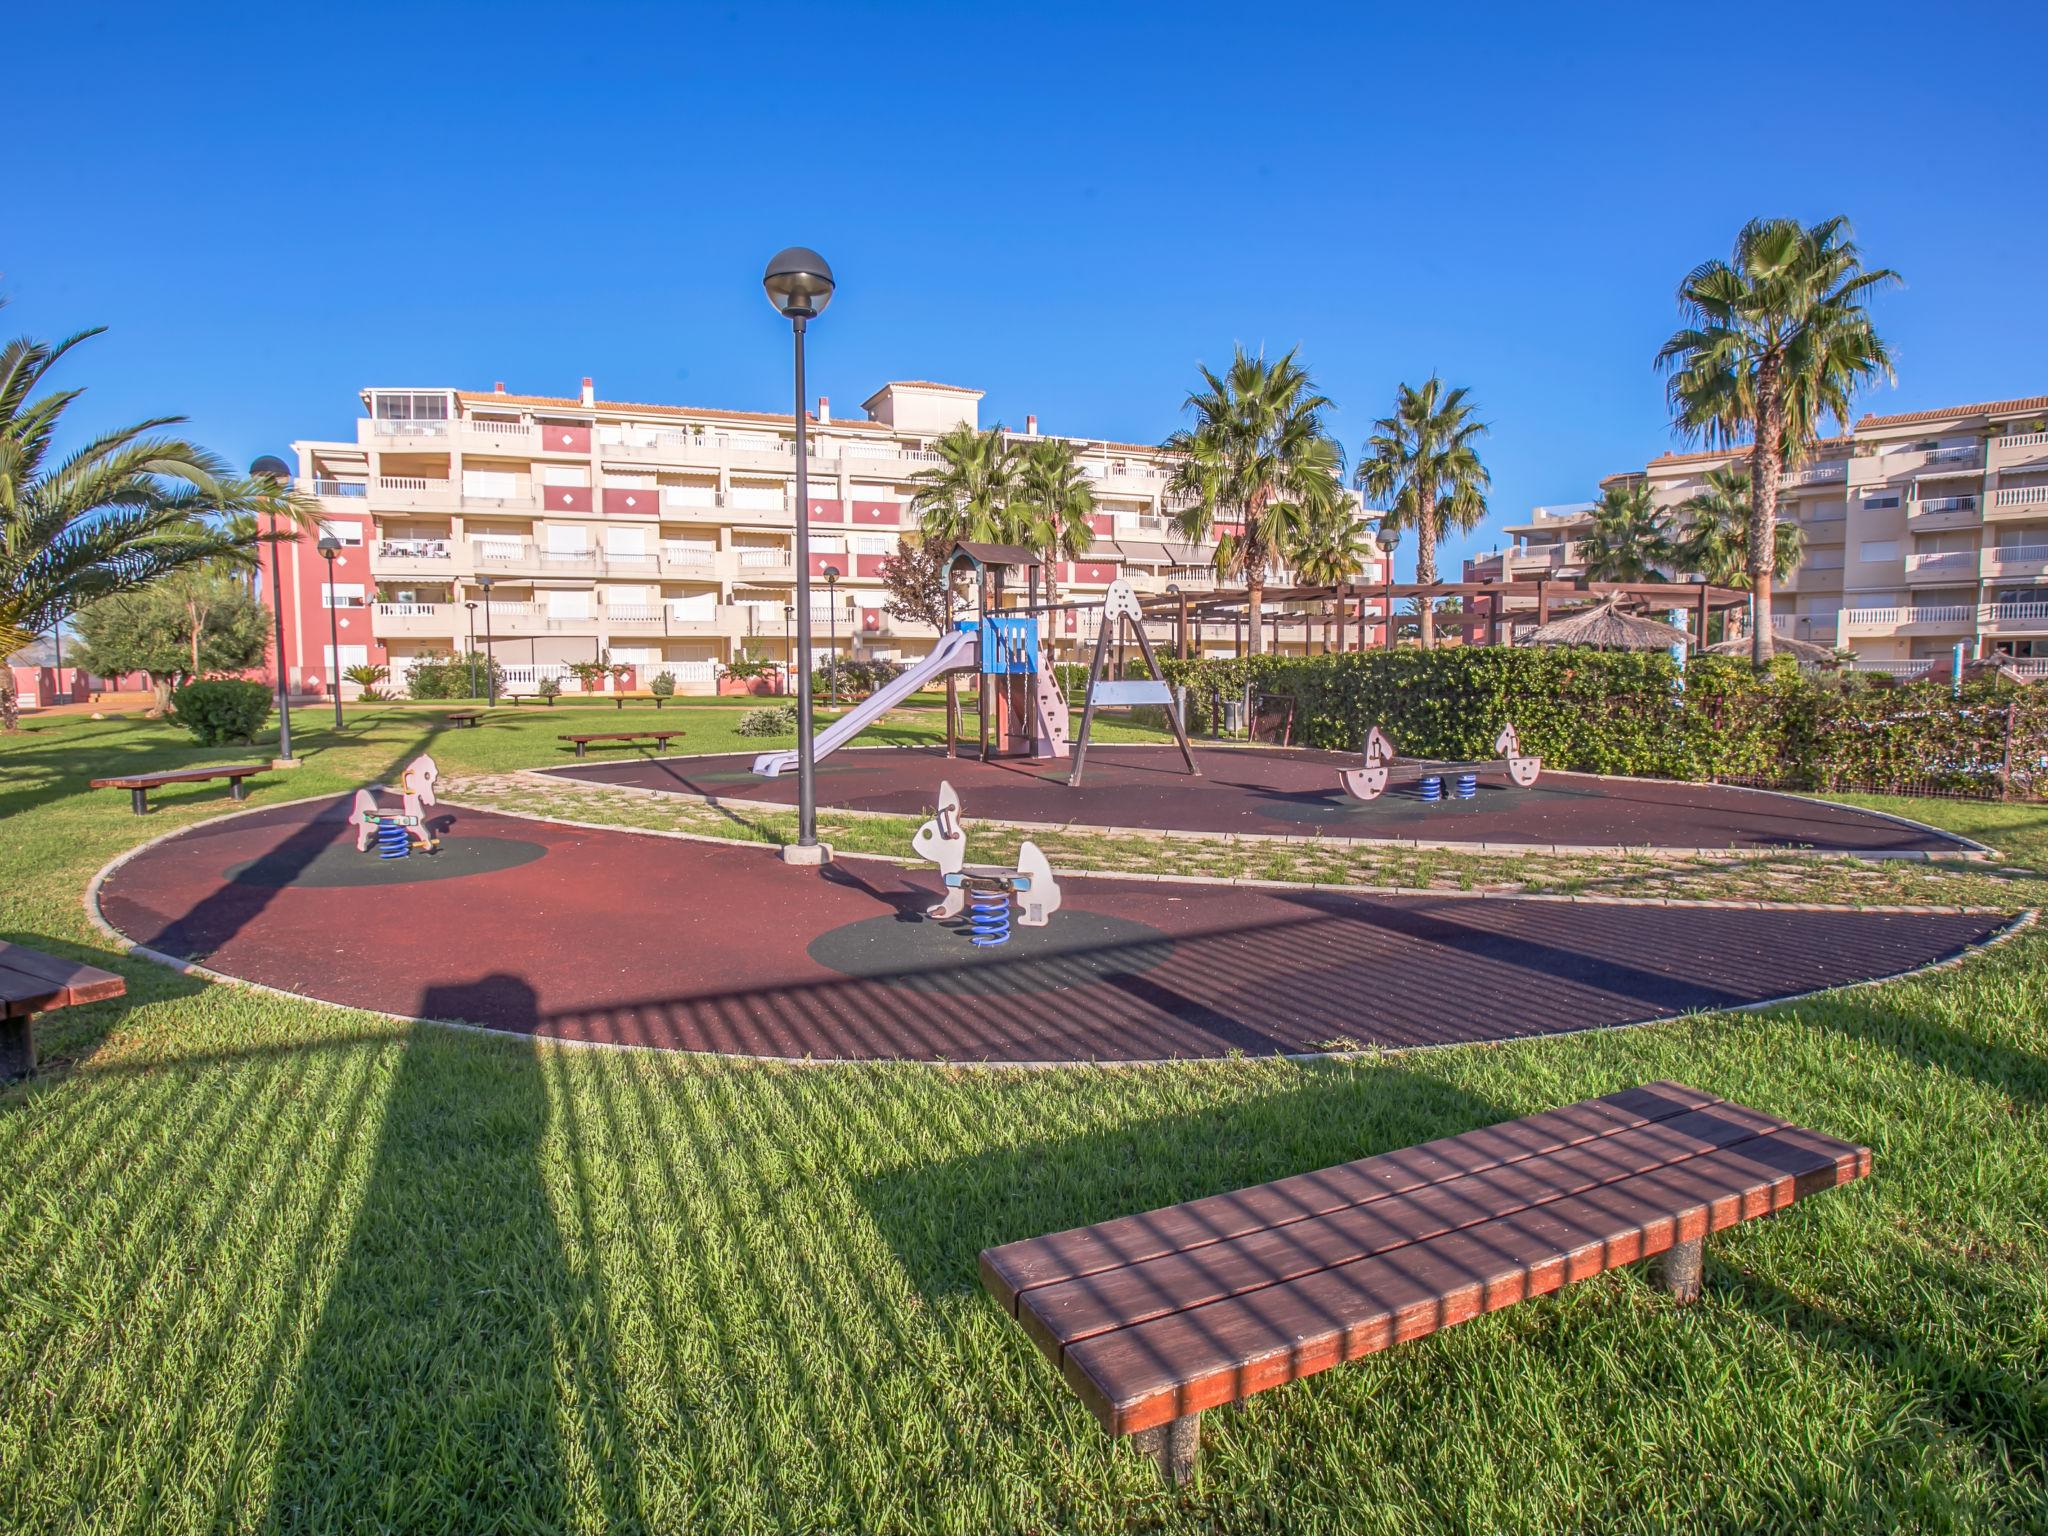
x,y
984,891
396,831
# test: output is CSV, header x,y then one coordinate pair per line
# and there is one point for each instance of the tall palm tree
x,y
1422,467
122,510
1773,340
1714,527
1331,550
1629,539
1258,456
967,496
1051,502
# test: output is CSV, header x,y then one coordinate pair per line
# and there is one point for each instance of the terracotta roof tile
x,y
1740,450
1950,412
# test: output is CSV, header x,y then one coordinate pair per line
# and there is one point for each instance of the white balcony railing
x,y
1943,504
1959,561
414,549
754,557
321,486
2006,555
1815,474
2017,613
2022,496
2024,440
384,426
1962,453
1877,621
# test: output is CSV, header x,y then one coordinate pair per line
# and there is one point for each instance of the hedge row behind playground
x,y
1624,713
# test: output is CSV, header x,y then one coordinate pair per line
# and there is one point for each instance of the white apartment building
x,y
664,535
1923,530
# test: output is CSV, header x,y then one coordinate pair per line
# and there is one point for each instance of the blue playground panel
x,y
1009,646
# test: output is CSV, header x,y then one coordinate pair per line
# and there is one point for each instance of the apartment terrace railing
x,y
1962,453
2023,440
1869,621
1815,474
2022,496
1960,561
2006,557
321,486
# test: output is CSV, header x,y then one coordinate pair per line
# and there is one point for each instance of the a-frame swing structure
x,y
1121,608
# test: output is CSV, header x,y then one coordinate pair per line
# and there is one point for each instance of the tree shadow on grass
x,y
939,1216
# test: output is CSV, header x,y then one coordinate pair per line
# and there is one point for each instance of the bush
x,y
441,675
775,720
549,688
856,679
221,711
367,678
662,685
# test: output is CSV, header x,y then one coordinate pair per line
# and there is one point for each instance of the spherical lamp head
x,y
271,467
799,283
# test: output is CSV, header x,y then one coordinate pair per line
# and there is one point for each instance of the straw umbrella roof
x,y
1605,627
1805,652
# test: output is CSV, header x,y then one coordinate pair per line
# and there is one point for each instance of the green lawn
x,y
270,1266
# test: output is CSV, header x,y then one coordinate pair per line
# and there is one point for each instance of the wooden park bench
x,y
32,982
139,785
619,699
661,739
1155,1318
463,717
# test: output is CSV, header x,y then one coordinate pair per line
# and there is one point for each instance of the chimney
x,y
498,387
824,410
589,391
1031,426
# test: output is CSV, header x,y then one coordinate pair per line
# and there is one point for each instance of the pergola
x,y
1490,603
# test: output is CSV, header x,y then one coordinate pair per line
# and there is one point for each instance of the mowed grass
x,y
275,1266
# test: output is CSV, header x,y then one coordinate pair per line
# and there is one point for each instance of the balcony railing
x,y
2028,615
2008,556
1962,453
1958,561
385,426
1877,621
2024,440
2022,496
754,557
415,549
1815,474
321,486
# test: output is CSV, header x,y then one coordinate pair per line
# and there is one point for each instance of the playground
x,y
626,938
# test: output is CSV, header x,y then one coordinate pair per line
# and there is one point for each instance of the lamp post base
x,y
287,762
810,856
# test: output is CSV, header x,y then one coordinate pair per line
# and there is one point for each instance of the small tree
x,y
367,677
915,579
590,675
186,625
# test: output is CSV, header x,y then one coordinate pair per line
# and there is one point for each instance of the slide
x,y
955,652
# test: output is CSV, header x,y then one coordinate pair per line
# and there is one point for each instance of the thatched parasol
x,y
1805,652
1607,628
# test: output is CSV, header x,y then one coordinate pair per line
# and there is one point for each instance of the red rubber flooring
x,y
619,937
1276,790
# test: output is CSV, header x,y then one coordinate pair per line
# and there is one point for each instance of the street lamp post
x,y
799,284
471,606
788,613
831,575
329,547
270,467
490,654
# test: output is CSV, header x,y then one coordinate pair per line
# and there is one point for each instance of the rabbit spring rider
x,y
396,831
1370,782
984,891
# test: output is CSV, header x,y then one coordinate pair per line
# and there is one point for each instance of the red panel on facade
x,y
1102,522
564,437
566,498
630,500
1091,573
819,562
827,511
868,565
878,513
870,620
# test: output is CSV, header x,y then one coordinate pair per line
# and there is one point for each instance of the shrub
x,y
441,675
367,678
221,711
662,685
748,667
774,720
549,688
857,679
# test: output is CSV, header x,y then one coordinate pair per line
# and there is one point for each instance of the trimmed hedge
x,y
221,711
1622,713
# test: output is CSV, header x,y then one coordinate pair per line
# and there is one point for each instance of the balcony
x,y
1947,566
336,490
530,619
438,621
414,557
416,491
1836,472
2022,448
2016,560
2016,618
2018,501
508,437
1932,619
685,560
759,563
634,618
1941,513
411,432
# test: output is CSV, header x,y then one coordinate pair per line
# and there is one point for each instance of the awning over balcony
x,y
1148,552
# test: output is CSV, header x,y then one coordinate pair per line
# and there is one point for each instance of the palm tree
x,y
1051,502
1713,539
967,497
1773,340
1331,550
1420,465
1258,457
1629,540
124,509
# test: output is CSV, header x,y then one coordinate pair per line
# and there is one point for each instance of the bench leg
x,y
238,789
138,800
17,1046
1173,1446
1678,1270
579,748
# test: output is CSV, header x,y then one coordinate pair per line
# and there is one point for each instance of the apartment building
x,y
1922,531
565,528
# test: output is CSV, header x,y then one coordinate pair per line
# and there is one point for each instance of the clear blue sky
x,y
1067,206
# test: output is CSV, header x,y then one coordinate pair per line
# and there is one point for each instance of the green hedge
x,y
1622,713
221,711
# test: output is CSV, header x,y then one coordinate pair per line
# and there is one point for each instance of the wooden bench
x,y
140,784
661,739
1155,1318
32,982
619,699
463,717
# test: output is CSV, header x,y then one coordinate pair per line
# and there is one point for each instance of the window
x,y
625,541
341,594
568,605
564,474
350,534
491,484
351,656
1878,500
566,540
1877,551
404,413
